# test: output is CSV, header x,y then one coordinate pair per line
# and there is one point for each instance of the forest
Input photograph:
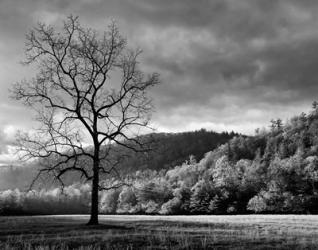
x,y
167,150
273,171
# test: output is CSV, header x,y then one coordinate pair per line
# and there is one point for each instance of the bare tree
x,y
88,85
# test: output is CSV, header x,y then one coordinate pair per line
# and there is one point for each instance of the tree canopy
x,y
89,89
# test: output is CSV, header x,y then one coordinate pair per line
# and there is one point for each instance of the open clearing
x,y
160,232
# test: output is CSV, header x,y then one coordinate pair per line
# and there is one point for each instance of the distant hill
x,y
12,177
169,150
172,149
274,171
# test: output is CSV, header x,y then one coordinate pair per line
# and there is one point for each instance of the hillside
x,y
168,150
275,171
172,149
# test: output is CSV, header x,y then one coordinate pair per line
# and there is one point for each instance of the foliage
x,y
272,172
195,143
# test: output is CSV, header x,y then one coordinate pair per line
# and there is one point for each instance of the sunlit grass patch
x,y
160,232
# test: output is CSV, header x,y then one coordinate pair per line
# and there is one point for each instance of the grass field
x,y
160,232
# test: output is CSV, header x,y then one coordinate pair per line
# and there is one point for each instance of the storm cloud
x,y
224,64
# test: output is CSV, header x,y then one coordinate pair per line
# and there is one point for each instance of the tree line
x,y
274,171
168,151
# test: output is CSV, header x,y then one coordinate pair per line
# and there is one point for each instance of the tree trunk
x,y
94,202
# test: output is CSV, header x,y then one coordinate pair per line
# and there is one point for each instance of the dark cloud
x,y
224,64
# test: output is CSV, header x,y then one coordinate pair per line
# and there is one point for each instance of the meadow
x,y
160,232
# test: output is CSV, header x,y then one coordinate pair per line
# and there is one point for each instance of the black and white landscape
x,y
158,124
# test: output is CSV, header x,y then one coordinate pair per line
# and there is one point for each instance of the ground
x,y
160,232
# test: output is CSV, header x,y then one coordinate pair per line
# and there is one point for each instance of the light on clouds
x,y
224,64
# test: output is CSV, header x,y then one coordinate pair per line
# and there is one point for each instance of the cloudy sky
x,y
224,64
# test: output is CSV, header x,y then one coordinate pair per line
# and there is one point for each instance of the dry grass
x,y
161,232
